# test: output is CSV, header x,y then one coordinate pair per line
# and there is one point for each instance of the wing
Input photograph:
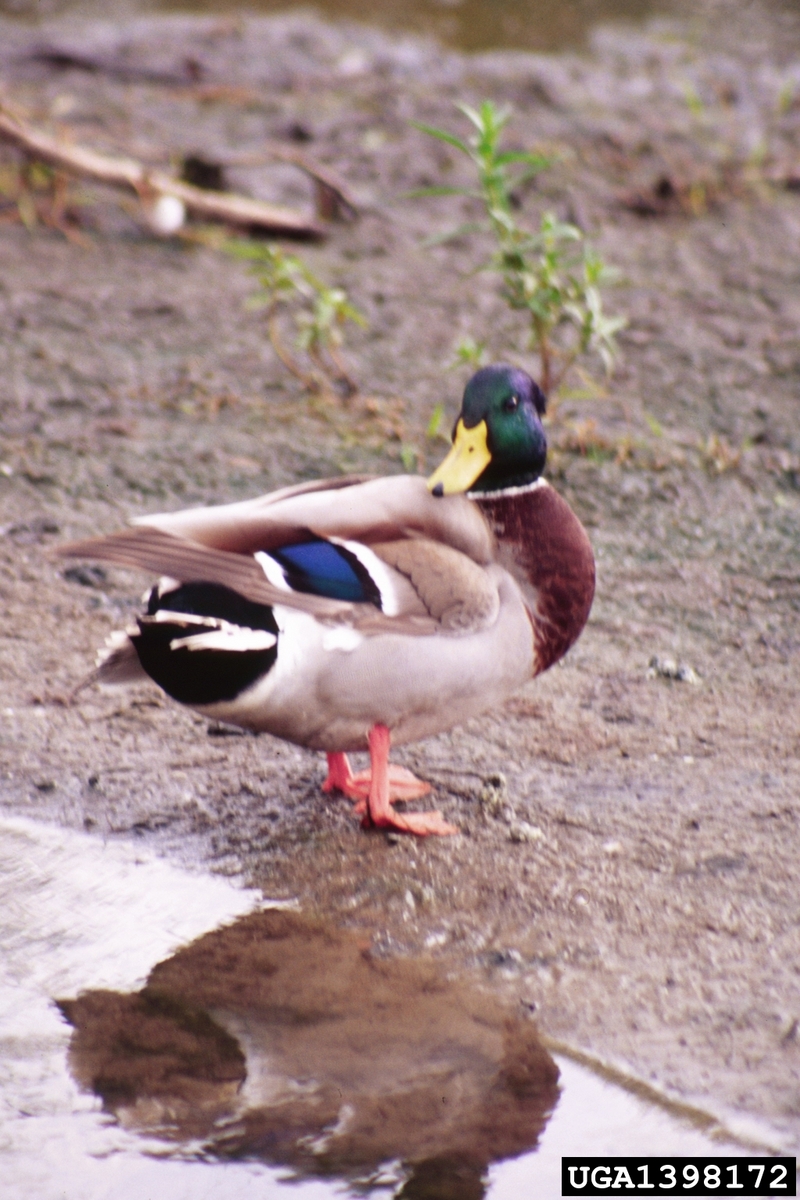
x,y
164,554
402,586
376,554
368,511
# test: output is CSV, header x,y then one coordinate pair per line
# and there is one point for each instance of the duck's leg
x,y
403,784
379,811
340,775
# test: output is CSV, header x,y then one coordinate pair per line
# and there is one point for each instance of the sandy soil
x,y
654,919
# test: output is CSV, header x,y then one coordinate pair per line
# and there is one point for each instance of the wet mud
x,y
627,863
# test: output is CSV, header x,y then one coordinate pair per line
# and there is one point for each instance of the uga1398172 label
x,y
740,1176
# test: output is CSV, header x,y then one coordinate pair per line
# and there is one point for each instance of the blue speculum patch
x,y
324,569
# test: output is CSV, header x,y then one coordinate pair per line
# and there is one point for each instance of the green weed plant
x,y
551,275
289,289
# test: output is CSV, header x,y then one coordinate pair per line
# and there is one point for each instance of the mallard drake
x,y
346,614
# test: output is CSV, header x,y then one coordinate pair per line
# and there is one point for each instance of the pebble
x,y
494,794
522,831
668,668
165,215
86,576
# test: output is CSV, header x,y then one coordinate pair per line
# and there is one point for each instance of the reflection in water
x,y
81,912
282,1040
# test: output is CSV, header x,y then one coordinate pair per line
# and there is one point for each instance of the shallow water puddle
x,y
464,24
273,1048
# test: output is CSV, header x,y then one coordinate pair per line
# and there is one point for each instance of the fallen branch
x,y
333,197
150,185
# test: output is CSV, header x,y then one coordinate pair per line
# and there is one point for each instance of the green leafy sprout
x,y
469,353
287,287
551,275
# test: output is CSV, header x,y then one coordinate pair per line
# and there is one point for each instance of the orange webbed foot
x,y
378,812
403,784
422,824
376,789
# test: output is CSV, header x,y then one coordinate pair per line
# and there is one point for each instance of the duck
x,y
362,612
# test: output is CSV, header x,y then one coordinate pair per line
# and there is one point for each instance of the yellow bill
x,y
468,458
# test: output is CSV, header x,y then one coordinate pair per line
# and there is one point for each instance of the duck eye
x,y
511,403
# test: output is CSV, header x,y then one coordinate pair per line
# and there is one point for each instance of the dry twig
x,y
149,184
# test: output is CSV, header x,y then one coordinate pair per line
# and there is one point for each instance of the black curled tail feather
x,y
172,636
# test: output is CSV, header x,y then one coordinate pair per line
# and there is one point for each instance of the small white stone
x,y
165,215
373,140
668,668
522,831
353,62
435,939
494,794
63,105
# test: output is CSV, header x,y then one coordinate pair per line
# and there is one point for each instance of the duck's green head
x,y
498,440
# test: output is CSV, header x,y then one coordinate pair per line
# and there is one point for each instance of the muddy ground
x,y
655,922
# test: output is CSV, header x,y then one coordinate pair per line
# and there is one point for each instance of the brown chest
x,y
545,547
